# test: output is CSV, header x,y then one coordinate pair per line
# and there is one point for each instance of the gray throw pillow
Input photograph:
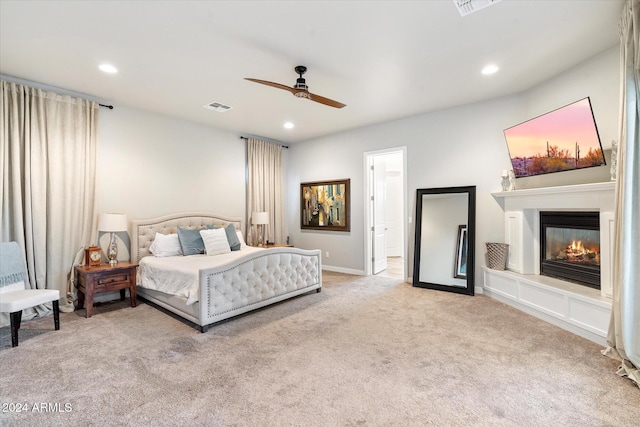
x,y
190,241
232,237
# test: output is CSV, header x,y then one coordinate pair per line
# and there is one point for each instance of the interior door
x,y
394,201
379,225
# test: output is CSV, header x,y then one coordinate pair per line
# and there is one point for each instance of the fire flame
x,y
577,247
577,252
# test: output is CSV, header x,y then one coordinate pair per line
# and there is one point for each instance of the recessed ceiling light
x,y
288,125
108,68
490,69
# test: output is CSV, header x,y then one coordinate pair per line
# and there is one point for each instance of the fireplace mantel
x,y
584,312
598,196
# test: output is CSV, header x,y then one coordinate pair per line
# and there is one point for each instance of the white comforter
x,y
179,275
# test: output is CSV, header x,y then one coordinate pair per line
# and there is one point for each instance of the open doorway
x,y
385,213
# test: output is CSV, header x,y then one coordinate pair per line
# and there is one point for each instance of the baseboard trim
x,y
343,270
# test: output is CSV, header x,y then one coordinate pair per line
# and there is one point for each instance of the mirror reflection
x,y
444,239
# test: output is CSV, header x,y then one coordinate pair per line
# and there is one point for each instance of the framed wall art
x,y
325,205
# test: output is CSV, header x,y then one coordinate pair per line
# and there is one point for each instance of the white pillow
x,y
165,245
215,241
242,242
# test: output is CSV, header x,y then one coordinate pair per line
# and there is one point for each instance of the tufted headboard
x,y
143,231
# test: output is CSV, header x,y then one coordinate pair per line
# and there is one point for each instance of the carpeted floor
x,y
365,351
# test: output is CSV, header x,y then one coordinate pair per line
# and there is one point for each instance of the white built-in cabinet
x,y
579,309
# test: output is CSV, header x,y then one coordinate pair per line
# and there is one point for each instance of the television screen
x,y
563,139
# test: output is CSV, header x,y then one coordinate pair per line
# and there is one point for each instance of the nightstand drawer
x,y
110,280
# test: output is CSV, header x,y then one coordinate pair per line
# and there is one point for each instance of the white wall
x,y
151,165
598,79
456,147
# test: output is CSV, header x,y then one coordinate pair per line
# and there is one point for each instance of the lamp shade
x,y
112,222
260,218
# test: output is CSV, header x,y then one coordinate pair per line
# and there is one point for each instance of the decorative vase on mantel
x,y
508,180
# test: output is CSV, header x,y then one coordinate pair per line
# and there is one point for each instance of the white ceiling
x,y
384,59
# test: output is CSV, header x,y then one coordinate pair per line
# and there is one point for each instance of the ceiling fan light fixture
x,y
289,125
300,89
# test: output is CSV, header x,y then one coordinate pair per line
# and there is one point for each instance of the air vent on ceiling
x,y
465,7
216,106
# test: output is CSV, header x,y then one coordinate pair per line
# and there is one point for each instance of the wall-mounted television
x,y
560,140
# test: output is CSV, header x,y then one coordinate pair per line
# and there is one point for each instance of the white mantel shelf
x,y
581,310
606,187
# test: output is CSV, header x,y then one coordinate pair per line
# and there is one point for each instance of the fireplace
x,y
570,246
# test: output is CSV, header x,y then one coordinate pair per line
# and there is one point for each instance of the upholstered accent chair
x,y
13,296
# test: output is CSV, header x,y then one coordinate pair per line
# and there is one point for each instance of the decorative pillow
x,y
215,241
165,245
243,244
190,241
232,237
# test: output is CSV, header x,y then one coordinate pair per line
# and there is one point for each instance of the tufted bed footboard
x,y
258,280
255,278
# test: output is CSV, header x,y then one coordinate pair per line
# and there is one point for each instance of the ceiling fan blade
x,y
325,101
272,84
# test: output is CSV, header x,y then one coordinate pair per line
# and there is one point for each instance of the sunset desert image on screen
x,y
563,139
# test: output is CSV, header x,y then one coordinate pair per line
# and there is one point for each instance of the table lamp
x,y
259,219
112,223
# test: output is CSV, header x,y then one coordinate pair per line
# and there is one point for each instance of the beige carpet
x,y
364,351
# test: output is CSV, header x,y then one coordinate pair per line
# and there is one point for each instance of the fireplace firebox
x,y
570,246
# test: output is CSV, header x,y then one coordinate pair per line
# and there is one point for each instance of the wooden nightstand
x,y
278,245
104,278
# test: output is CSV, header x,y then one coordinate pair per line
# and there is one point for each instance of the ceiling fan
x,y
300,89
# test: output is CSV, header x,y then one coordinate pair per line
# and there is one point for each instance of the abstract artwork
x,y
324,205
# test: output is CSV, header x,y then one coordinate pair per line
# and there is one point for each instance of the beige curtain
x,y
264,189
624,328
48,161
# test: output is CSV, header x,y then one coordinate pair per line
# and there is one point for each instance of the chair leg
x,y
15,318
56,315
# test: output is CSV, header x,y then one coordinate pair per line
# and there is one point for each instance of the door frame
x,y
368,189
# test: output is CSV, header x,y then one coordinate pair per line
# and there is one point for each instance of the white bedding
x,y
179,275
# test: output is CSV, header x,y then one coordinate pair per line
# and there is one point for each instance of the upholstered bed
x,y
209,289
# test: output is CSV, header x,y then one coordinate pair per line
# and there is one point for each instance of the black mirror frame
x,y
471,239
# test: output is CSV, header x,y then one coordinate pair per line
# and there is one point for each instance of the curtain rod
x,y
283,146
110,107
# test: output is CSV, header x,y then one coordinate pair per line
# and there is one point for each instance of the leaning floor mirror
x,y
444,255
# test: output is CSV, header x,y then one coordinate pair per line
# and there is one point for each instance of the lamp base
x,y
112,250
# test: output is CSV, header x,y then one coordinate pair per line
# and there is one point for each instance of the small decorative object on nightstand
x,y
113,223
93,256
277,245
104,278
